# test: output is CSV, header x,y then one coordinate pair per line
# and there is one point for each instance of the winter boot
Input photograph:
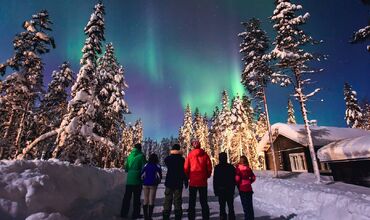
x,y
146,213
150,210
166,215
178,214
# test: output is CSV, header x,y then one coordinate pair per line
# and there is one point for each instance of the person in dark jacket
x,y
198,168
152,176
244,178
133,166
224,186
175,179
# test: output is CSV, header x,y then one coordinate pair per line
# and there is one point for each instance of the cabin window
x,y
298,162
324,167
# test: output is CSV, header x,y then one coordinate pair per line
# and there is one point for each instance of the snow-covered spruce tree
x,y
22,89
257,73
241,133
138,132
291,117
199,129
261,126
225,124
127,139
353,113
249,111
363,34
51,111
215,135
206,145
292,58
186,130
110,92
365,121
78,138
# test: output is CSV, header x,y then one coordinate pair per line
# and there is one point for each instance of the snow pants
x,y
202,199
172,196
229,200
134,190
247,202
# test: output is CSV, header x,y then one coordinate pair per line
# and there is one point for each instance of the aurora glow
x,y
179,52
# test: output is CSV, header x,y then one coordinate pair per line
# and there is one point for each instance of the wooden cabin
x,y
349,160
291,148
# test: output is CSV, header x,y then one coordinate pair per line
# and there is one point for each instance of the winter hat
x,y
195,144
175,147
222,157
138,146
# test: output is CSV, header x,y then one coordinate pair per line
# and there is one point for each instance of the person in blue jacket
x,y
151,176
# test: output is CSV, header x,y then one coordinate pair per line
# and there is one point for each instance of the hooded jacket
x,y
224,179
244,178
134,164
198,168
175,177
151,174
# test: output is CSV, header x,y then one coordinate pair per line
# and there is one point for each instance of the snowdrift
x,y
296,195
55,190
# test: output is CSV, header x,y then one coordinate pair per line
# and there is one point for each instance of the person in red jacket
x,y
198,168
244,178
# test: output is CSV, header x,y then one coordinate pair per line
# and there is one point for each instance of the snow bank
x,y
352,148
55,190
296,195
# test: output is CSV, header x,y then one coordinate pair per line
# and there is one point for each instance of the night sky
x,y
179,52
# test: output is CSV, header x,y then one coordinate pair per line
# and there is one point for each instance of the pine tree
x,y
186,130
249,111
127,139
77,139
257,72
261,127
291,117
215,135
22,89
110,93
206,136
199,128
138,132
51,111
363,34
353,113
225,124
241,133
365,121
292,58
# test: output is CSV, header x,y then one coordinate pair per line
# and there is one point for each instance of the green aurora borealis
x,y
179,52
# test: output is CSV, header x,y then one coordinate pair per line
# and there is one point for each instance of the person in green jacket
x,y
133,166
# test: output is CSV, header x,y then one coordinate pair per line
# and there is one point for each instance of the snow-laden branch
x,y
36,141
312,93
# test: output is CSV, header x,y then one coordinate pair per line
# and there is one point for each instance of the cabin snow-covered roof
x,y
347,149
321,135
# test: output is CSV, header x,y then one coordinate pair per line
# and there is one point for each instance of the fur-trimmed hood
x,y
176,152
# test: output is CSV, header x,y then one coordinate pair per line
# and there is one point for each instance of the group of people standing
x,y
193,173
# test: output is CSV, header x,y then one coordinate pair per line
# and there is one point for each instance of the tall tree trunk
x,y
302,103
270,133
10,122
21,128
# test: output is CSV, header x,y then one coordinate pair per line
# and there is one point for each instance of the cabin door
x,y
298,162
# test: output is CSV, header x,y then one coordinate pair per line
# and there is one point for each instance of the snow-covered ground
x,y
296,194
54,190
